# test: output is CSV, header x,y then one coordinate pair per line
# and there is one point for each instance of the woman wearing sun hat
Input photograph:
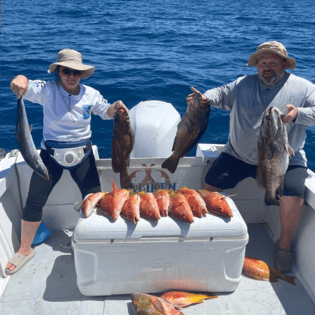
x,y
67,107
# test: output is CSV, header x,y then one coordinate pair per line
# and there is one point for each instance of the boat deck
x,y
47,285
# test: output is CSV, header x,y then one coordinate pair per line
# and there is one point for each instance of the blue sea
x,y
152,49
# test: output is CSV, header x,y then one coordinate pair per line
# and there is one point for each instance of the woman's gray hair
x,y
57,76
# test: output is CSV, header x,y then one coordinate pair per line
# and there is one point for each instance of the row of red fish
x,y
183,204
170,303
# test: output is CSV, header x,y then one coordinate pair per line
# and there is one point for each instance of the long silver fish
x,y
122,144
189,131
274,152
26,144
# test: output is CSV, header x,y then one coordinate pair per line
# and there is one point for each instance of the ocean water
x,y
152,49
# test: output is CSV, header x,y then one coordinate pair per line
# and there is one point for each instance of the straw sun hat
x,y
71,59
271,48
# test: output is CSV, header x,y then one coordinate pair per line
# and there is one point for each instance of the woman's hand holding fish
x,y
114,108
291,115
19,85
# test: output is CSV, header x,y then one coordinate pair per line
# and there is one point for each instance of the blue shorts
x,y
227,171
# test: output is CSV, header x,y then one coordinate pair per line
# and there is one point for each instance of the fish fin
x,y
277,274
286,278
273,278
289,279
125,181
259,181
114,186
279,190
171,163
116,163
158,305
31,128
289,150
259,178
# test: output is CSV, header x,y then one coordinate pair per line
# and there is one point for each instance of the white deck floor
x,y
47,285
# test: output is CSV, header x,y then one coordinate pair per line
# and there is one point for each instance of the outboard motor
x,y
155,125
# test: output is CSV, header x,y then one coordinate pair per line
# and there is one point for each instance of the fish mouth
x,y
273,118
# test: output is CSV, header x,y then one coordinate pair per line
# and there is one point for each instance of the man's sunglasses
x,y
68,72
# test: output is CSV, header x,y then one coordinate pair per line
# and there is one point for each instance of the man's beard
x,y
270,80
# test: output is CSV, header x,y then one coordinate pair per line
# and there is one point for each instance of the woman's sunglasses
x,y
68,72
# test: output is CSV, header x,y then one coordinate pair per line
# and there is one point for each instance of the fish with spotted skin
x,y
123,140
274,152
146,304
26,144
189,130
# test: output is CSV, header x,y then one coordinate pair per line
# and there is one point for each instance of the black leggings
x,y
85,176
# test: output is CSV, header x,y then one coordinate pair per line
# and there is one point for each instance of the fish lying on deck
x,y
145,304
26,144
273,155
189,131
111,204
181,299
258,269
122,144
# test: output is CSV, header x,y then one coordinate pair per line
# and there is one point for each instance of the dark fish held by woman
x,y
122,144
25,142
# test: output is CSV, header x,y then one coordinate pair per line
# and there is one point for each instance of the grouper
x,y
189,130
274,152
123,140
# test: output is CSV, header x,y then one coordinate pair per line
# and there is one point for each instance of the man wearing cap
x,y
247,98
67,106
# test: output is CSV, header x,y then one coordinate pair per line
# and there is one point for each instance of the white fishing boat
x,y
60,280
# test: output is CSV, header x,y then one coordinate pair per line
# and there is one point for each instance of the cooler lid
x,y
99,227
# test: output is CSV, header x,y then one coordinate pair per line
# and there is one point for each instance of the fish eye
x,y
135,302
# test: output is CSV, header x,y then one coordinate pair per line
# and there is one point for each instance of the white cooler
x,y
122,258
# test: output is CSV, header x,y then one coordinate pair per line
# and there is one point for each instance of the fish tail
x,y
289,279
271,200
114,186
171,163
125,181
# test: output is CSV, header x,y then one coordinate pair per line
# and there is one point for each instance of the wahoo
x,y
26,144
